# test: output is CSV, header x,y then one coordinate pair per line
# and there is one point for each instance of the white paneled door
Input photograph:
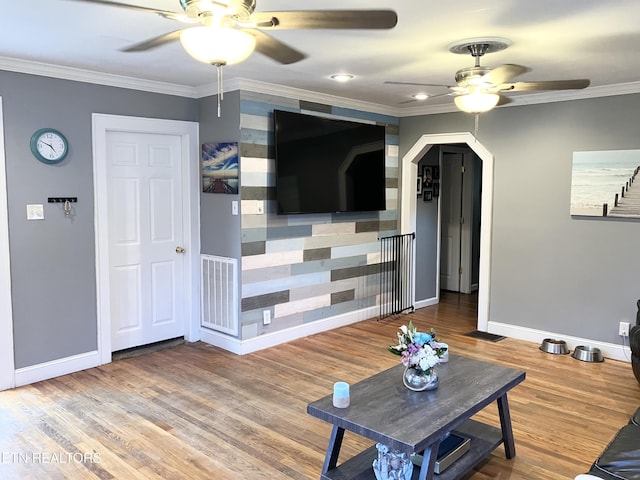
x,y
451,215
146,249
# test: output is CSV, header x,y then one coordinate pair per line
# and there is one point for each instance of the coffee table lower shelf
x,y
484,439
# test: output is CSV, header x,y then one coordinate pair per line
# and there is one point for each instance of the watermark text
x,y
49,457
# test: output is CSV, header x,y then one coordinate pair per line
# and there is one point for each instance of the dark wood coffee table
x,y
384,410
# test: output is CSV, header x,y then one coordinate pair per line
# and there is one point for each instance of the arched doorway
x,y
408,204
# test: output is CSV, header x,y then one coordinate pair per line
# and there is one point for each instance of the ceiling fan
x,y
228,31
480,88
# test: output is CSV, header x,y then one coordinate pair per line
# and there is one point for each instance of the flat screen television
x,y
326,165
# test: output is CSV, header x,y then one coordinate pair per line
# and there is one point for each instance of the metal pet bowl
x,y
588,354
555,346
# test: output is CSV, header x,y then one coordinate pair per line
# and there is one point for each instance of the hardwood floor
x,y
194,411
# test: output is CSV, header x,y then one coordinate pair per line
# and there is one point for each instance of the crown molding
x,y
121,81
97,78
536,98
295,93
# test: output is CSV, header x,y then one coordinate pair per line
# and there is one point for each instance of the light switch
x,y
260,207
35,212
234,207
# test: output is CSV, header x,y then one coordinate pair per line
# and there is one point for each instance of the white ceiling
x,y
556,39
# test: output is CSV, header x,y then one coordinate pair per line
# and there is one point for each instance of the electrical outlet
x,y
623,329
266,317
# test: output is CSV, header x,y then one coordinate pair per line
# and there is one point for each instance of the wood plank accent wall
x,y
304,268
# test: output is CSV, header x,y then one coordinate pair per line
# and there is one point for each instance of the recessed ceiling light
x,y
420,96
342,77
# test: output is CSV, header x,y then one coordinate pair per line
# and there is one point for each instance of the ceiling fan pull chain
x,y
477,123
220,89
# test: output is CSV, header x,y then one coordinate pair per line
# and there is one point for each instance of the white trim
x,y
101,123
242,347
609,350
96,78
237,83
56,368
408,173
427,303
7,365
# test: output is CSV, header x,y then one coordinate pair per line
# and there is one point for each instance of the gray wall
x,y
53,260
549,271
427,236
219,230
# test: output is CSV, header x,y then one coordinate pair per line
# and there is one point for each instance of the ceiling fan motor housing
x,y
471,76
241,9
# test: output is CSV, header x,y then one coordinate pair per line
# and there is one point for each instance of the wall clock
x,y
49,145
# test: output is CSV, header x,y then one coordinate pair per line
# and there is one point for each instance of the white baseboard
x,y
242,347
76,363
609,350
56,368
426,303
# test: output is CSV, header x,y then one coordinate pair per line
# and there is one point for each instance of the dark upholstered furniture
x,y
621,458
634,343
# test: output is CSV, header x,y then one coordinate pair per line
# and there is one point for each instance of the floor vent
x,y
491,337
219,295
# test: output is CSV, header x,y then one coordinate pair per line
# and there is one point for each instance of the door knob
x,y
179,250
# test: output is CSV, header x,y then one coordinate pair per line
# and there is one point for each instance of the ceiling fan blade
x,y
545,85
418,84
504,100
504,73
334,19
154,42
162,13
275,49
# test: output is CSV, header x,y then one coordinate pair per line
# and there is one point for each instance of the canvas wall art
x,y
220,167
606,183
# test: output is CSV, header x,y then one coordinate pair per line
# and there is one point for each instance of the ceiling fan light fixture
x,y
420,96
217,45
477,102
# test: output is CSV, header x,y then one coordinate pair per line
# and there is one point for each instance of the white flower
x,y
428,360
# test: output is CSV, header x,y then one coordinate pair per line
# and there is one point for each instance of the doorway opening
x,y
7,365
460,211
408,207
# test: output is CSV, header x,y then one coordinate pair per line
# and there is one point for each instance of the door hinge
x,y
460,270
461,220
462,169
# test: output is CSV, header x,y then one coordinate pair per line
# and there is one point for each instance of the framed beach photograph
x,y
604,184
220,167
